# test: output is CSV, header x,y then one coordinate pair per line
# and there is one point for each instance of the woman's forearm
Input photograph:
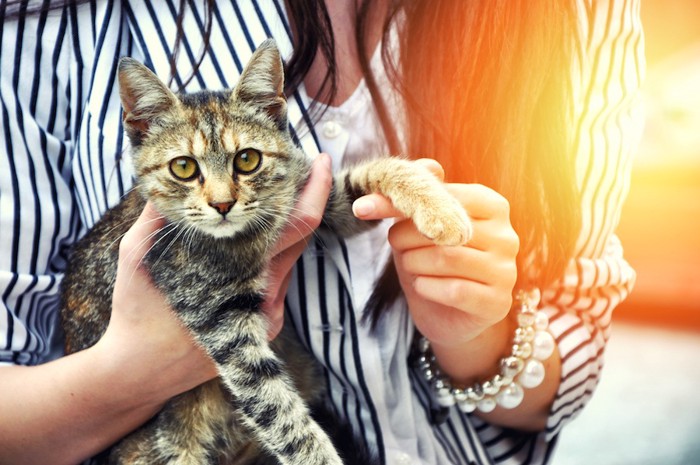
x,y
66,411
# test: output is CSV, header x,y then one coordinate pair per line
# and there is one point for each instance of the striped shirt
x,y
63,159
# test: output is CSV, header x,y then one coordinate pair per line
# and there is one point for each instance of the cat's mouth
x,y
222,227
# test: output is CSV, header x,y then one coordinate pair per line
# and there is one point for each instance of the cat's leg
x,y
413,190
192,429
265,398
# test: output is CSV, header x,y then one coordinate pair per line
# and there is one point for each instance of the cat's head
x,y
220,162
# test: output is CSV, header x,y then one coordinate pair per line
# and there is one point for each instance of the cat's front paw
x,y
446,224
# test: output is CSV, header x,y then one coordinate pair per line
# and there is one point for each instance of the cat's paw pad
x,y
445,225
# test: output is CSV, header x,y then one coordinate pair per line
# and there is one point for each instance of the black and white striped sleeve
x,y
608,130
37,212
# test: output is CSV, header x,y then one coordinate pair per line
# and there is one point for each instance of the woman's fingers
x,y
479,201
475,300
139,238
491,229
310,206
142,324
374,207
273,308
456,262
278,281
433,166
457,291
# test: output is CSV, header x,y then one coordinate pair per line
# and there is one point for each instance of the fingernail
x,y
325,159
362,207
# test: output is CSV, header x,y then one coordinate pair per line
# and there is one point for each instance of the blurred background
x,y
646,410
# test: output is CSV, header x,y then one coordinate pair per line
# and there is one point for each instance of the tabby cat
x,y
224,171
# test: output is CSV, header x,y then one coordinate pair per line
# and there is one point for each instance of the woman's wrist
x,y
68,409
484,353
133,384
475,377
150,376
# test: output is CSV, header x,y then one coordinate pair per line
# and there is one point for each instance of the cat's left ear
x,y
262,83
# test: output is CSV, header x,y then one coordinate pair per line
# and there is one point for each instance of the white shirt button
x,y
331,129
403,458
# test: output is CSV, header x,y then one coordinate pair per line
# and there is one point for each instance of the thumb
x,y
433,166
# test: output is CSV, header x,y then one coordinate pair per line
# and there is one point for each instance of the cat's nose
x,y
222,207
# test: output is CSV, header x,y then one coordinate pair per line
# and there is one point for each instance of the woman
x,y
527,108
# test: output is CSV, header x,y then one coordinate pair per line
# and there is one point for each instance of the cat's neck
x,y
237,258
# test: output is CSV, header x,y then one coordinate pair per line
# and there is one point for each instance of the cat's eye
x,y
184,168
246,161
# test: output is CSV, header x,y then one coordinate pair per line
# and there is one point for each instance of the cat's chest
x,y
206,267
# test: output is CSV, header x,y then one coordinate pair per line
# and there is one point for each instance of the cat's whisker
x,y
297,209
120,224
289,221
265,226
293,220
294,225
263,223
172,241
126,194
190,237
169,227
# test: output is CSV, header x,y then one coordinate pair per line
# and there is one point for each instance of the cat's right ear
x,y
145,99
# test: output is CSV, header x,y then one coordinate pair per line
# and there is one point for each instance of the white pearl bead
x,y
523,350
541,321
498,380
467,406
526,318
532,297
526,334
475,393
459,394
490,388
446,400
529,297
511,396
532,375
511,366
487,404
542,345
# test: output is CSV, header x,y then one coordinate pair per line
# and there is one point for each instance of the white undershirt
x,y
350,133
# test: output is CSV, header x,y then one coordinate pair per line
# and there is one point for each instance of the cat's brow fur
x,y
210,264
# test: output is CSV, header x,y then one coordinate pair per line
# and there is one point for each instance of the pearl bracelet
x,y
523,368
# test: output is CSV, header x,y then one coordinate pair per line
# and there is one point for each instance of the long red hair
x,y
487,85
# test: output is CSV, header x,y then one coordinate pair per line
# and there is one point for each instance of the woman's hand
x,y
456,293
306,218
459,297
144,340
